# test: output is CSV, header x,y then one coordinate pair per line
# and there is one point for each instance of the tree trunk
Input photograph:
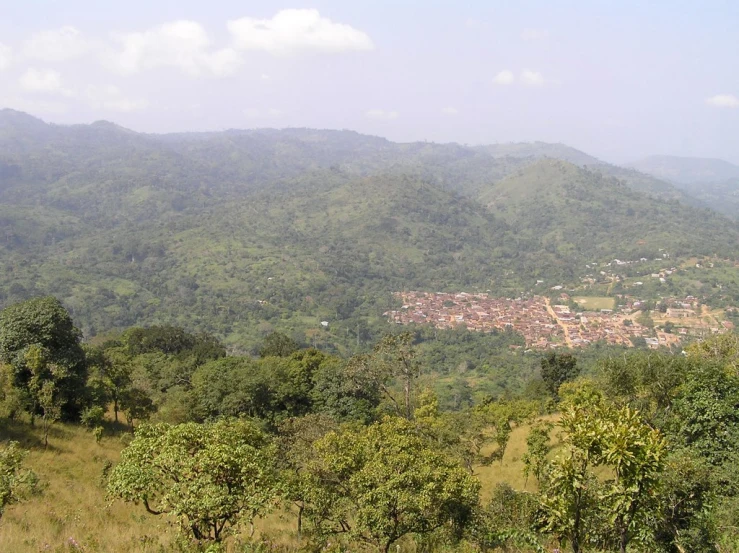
x,y
408,413
300,523
115,408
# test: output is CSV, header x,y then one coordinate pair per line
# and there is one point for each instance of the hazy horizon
x,y
617,80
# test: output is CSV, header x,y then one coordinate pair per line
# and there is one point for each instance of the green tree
x,y
537,448
15,481
396,356
389,481
110,370
576,506
41,331
208,476
277,344
296,454
558,368
43,389
136,405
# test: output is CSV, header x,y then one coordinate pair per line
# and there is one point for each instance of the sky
x,y
618,79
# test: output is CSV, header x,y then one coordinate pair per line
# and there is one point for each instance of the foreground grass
x,y
72,513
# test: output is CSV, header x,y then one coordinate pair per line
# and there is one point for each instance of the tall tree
x,y
558,368
578,507
396,355
44,326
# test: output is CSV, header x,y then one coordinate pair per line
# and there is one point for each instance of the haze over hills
x,y
687,170
714,182
238,232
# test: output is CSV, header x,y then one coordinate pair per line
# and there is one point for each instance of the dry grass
x,y
510,470
72,507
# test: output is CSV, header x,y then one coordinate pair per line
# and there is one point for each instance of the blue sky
x,y
619,80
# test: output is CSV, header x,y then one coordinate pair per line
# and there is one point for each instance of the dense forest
x,y
295,449
242,233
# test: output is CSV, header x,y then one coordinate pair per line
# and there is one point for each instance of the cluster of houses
x,y
584,328
529,317
550,326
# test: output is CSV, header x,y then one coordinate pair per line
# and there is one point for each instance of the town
x,y
545,325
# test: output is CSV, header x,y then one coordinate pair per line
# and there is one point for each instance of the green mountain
x,y
637,180
583,214
539,150
714,182
242,232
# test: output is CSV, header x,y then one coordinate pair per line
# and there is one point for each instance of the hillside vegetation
x,y
714,182
297,450
241,232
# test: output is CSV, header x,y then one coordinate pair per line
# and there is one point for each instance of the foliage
x,y
537,444
580,509
558,368
16,482
209,477
395,355
388,481
40,342
277,344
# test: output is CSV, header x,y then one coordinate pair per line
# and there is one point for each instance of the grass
x,y
594,302
72,507
510,469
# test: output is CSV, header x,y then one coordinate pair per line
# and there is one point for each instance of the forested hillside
x,y
242,232
714,182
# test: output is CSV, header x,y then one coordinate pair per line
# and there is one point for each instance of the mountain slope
x,y
179,171
687,170
583,215
714,182
539,150
241,232
639,181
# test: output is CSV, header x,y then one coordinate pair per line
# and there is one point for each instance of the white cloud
x,y
110,98
450,111
6,56
297,30
534,34
56,45
45,81
532,78
181,44
381,114
723,101
254,113
264,77
505,77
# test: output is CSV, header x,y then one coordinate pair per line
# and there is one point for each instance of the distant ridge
x,y
687,170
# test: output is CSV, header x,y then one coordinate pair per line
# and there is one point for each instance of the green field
x,y
594,303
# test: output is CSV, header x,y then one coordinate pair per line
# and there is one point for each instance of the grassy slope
x,y
73,503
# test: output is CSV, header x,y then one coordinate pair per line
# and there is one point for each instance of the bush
x,y
92,417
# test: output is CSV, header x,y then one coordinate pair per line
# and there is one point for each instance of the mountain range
x,y
240,232
714,182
